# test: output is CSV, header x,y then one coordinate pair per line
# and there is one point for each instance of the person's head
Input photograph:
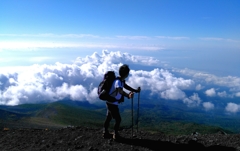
x,y
124,71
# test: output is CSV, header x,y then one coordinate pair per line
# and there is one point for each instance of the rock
x,y
82,138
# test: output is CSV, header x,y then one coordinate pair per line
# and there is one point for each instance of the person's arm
x,y
128,95
119,89
130,88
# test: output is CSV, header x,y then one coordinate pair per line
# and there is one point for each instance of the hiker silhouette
x,y
112,106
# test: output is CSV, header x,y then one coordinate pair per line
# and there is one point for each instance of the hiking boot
x,y
106,135
116,136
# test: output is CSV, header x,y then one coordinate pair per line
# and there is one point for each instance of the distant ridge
x,y
64,113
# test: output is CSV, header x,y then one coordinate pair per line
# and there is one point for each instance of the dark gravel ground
x,y
90,139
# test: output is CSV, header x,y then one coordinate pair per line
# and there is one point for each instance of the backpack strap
x,y
118,78
114,90
122,82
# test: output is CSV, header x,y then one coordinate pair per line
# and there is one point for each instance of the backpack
x,y
105,86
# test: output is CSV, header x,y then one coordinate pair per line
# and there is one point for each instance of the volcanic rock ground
x,y
90,139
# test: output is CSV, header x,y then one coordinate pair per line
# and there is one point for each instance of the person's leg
x,y
113,112
116,115
118,120
107,120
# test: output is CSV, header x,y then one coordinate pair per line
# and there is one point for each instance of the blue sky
x,y
197,40
187,34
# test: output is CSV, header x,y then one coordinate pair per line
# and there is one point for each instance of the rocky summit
x,y
90,139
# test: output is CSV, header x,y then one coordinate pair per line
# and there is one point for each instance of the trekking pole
x,y
138,109
132,117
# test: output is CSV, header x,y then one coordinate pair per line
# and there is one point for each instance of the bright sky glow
x,y
201,35
197,39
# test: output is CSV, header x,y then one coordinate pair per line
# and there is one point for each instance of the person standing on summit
x,y
119,94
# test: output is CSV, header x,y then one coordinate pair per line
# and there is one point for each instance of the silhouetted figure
x,y
119,94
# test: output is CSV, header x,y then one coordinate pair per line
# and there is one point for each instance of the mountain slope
x,y
52,115
152,117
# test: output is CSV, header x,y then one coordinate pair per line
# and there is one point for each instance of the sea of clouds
x,y
79,80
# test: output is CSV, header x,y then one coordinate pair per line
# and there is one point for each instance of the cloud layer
x,y
78,81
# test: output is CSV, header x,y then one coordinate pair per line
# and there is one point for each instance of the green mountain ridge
x,y
60,114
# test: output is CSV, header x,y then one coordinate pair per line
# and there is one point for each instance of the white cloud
x,y
237,94
161,82
134,37
232,107
173,38
210,92
79,81
231,82
222,94
36,45
39,59
74,92
33,45
199,87
218,39
193,100
173,94
50,35
31,42
208,105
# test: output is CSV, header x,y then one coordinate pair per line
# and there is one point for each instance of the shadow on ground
x,y
164,145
